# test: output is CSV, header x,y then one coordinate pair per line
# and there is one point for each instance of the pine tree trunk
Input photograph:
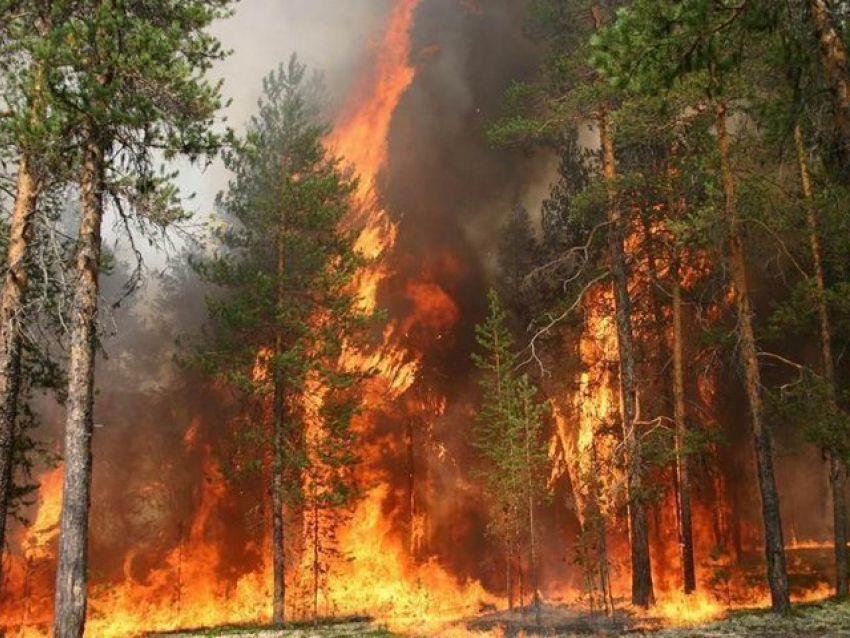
x,y
278,553
777,575
15,284
72,571
278,451
683,482
532,536
836,65
838,469
642,591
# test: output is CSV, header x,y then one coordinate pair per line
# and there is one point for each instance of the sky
x,y
330,36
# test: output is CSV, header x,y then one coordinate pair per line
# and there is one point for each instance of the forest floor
x,y
827,619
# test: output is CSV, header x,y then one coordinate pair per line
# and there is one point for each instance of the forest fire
x,y
375,574
419,547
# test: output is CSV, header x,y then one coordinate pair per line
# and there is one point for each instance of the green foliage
x,y
284,262
131,75
807,405
286,188
508,429
652,44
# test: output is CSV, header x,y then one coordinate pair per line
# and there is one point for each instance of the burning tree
x,y
288,313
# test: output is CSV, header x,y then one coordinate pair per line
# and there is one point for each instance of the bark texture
x,y
15,284
642,590
777,574
72,571
837,468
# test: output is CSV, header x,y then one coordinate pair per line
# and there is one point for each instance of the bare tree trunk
x,y
683,483
15,284
72,571
837,468
777,575
642,591
835,62
278,452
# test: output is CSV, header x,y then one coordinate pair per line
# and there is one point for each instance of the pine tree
x,y
36,136
130,77
508,431
286,262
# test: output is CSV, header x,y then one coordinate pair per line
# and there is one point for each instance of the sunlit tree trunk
x,y
837,469
15,284
72,570
642,591
777,575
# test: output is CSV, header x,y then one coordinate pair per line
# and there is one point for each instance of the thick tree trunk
x,y
642,592
11,324
72,571
683,483
777,575
838,469
836,66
